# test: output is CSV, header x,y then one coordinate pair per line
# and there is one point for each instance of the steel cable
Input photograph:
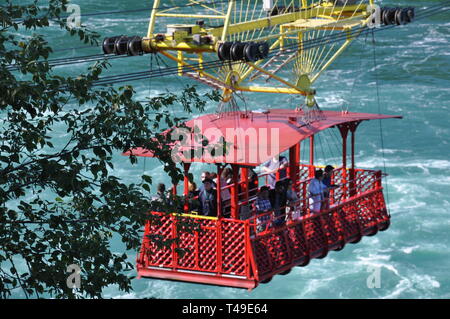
x,y
287,48
309,44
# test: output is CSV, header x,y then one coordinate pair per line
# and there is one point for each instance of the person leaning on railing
x,y
292,200
271,167
193,201
316,191
252,183
226,179
263,207
278,199
327,182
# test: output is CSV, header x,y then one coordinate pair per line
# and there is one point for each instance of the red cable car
x,y
231,250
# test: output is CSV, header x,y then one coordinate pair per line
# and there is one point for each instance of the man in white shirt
x,y
316,191
272,166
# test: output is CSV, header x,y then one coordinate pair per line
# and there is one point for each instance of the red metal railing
x,y
204,244
231,247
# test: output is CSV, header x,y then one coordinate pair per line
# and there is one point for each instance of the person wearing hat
x,y
208,198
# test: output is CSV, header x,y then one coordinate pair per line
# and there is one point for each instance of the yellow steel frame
x,y
290,23
280,19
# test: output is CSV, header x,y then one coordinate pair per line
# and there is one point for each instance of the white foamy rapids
x,y
332,101
398,279
424,164
409,250
393,151
152,289
416,285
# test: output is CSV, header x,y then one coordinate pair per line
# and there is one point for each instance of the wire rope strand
x,y
211,64
379,121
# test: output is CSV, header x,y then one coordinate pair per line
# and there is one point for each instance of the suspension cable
x,y
309,44
379,112
217,63
146,9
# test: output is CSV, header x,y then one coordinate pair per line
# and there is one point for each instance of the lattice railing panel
x,y
160,232
365,181
187,244
380,206
220,246
337,195
304,172
315,235
297,242
351,220
331,227
233,247
371,210
278,249
207,246
262,258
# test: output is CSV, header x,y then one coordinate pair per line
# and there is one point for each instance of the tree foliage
x,y
40,235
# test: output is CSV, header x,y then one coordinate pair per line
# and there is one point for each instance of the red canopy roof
x,y
255,137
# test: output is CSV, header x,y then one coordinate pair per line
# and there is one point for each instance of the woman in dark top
x,y
208,199
278,199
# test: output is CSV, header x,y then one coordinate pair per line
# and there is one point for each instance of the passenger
x,y
161,201
213,176
204,176
327,182
263,206
192,188
161,195
278,200
193,201
292,199
272,166
208,199
252,183
227,175
290,192
225,194
316,191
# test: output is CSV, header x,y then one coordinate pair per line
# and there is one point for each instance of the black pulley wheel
x,y
389,16
250,52
410,14
121,45
392,15
224,51
237,51
135,46
384,12
400,16
108,44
